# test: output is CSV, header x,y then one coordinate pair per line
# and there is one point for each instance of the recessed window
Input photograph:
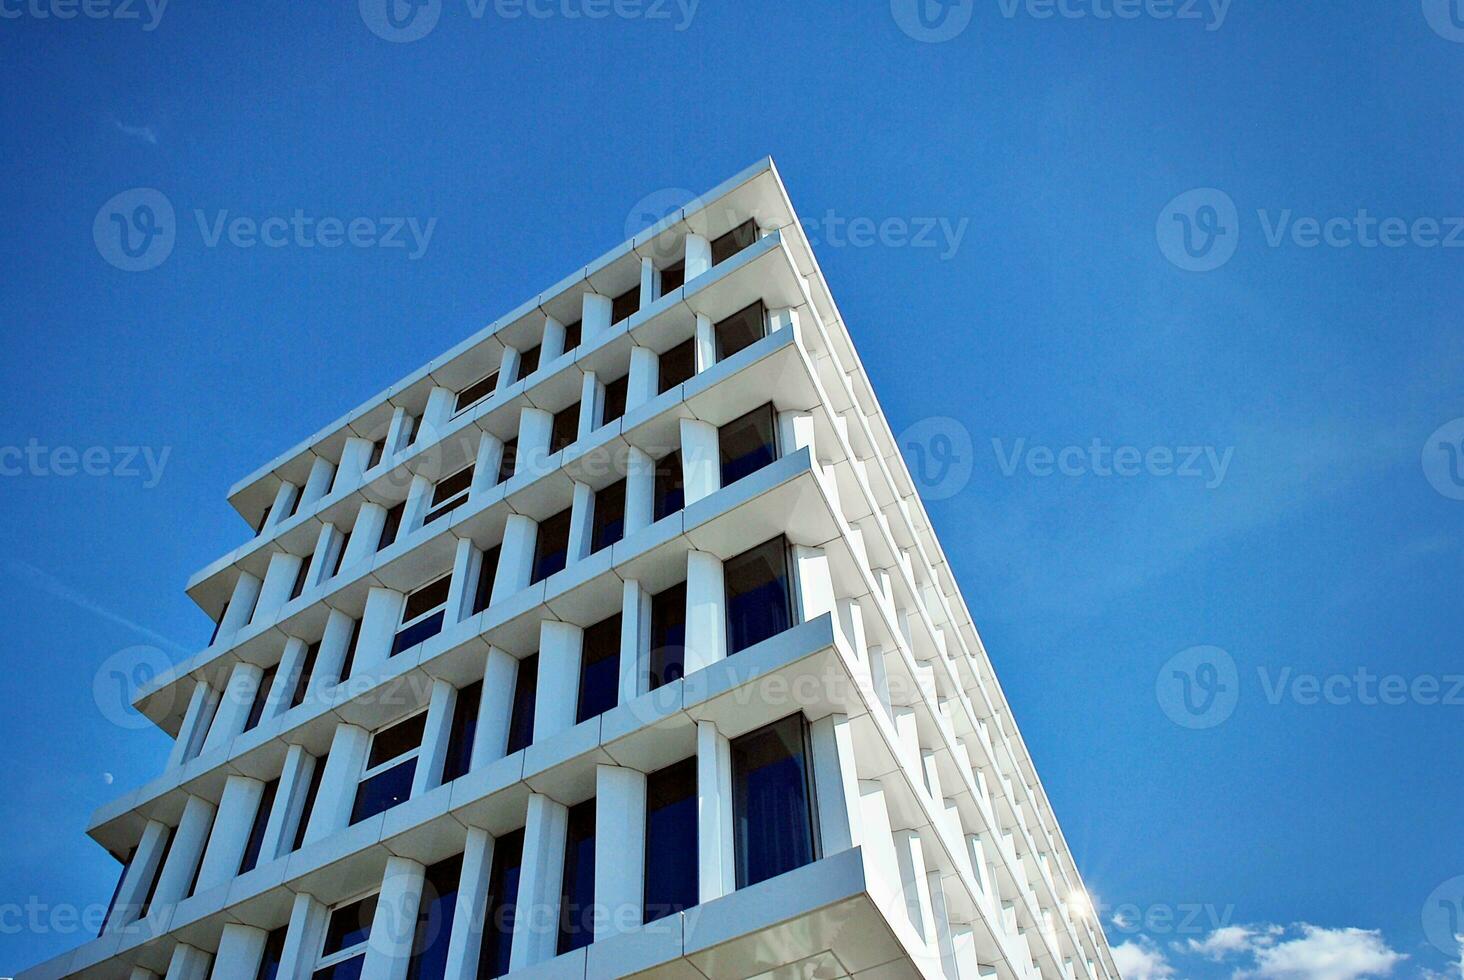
x,y
487,571
450,493
673,277
378,450
301,575
298,492
572,334
772,801
348,663
668,635
577,898
626,305
390,767
742,329
551,546
255,843
759,594
261,696
413,427
274,953
677,365
346,937
307,671
460,734
423,615
501,905
608,526
671,841
263,520
340,556
599,689
475,392
565,428
434,920
525,694
670,488
734,241
509,463
218,624
747,444
614,406
311,792
152,888
529,361
392,525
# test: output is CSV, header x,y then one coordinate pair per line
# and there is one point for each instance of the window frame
x,y
790,592
407,625
369,772
441,508
324,960
810,807
459,408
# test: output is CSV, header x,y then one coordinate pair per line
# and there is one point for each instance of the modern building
x,y
613,642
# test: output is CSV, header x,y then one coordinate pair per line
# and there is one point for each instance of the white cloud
x,y
1141,960
1228,940
145,133
1327,954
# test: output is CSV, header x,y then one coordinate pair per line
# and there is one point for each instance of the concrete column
x,y
701,460
815,582
187,850
469,915
139,876
944,941
796,431
352,470
337,794
287,677
879,842
419,497
440,405
698,256
284,498
395,925
977,851
706,611
553,340
706,343
644,381
963,945
930,773
141,973
581,521
189,963
640,491
908,732
197,720
241,605
241,948
235,818
304,936
536,429
322,559
515,557
465,562
560,652
635,641
234,705
836,784
334,643
379,625
596,315
317,485
508,369
278,581
435,733
782,320
365,534
650,283
620,852
536,927
486,465
289,804
495,710
592,395
398,432
910,857
879,675
716,860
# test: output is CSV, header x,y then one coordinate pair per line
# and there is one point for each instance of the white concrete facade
x,y
403,709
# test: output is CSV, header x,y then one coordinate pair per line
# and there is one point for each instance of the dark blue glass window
x,y
307,671
677,365
747,444
608,526
349,663
771,801
742,329
388,785
577,899
311,792
668,635
671,845
599,688
418,632
624,306
551,546
349,929
572,334
509,463
503,887
256,831
565,428
434,920
261,695
670,488
487,571
615,392
525,692
460,736
392,525
274,951
759,597
734,241
529,361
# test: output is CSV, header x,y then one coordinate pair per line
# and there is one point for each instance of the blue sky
x,y
1132,459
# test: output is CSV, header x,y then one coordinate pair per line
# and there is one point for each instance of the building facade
x,y
613,642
